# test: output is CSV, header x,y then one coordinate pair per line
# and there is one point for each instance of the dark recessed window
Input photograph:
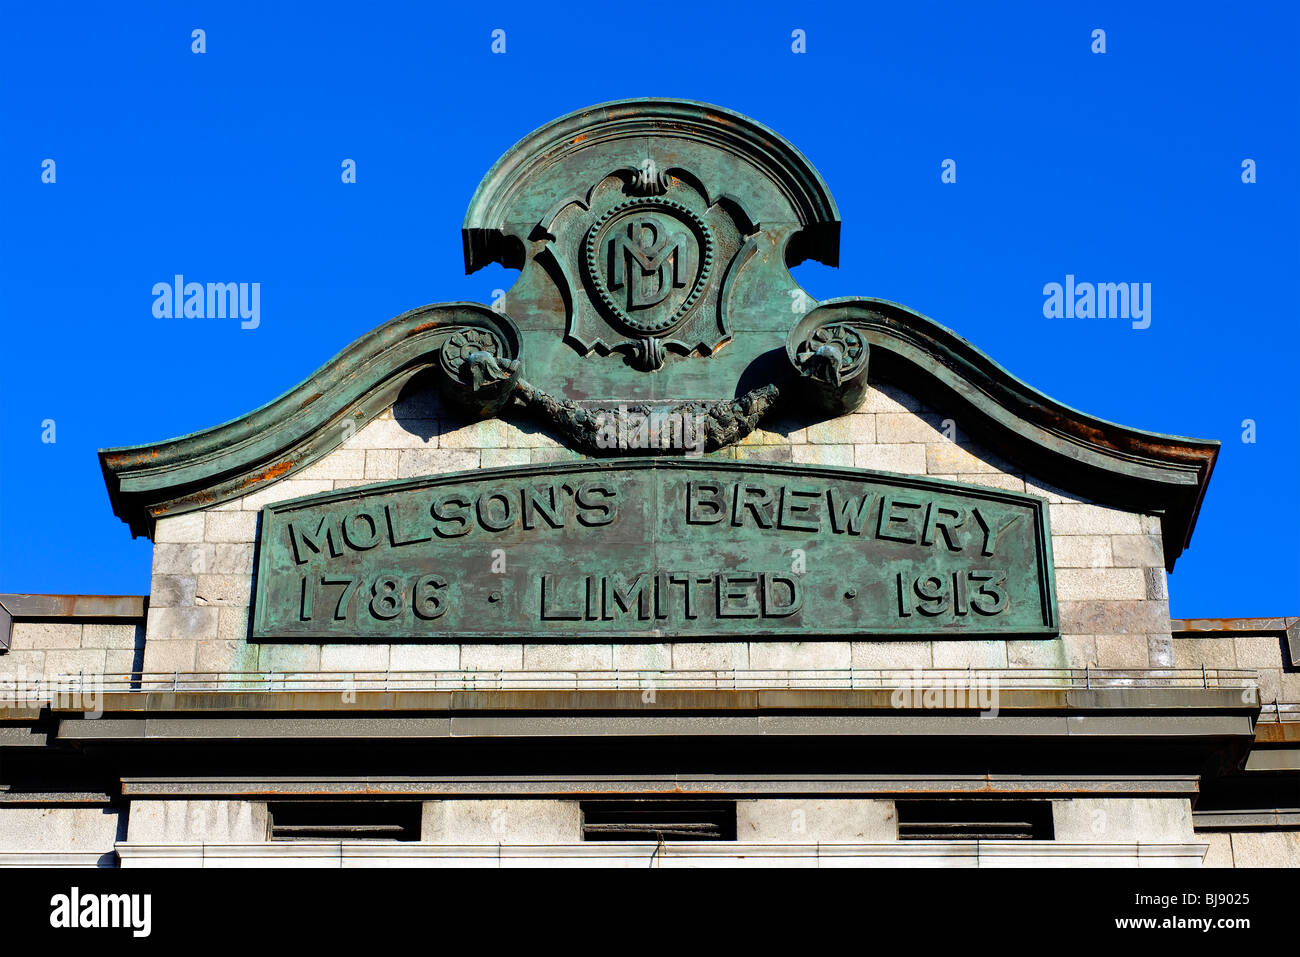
x,y
658,820
345,820
974,820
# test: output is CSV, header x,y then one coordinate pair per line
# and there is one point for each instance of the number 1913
x,y
982,592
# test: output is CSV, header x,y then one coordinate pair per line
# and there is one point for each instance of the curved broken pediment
x,y
654,238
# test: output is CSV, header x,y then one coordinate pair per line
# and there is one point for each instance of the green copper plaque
x,y
654,549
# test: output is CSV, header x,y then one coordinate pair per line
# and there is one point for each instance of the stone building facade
x,y
1121,737
1110,574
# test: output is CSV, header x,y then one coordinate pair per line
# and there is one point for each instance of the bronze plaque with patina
x,y
654,549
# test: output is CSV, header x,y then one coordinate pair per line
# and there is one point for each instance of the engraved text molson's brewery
x,y
654,549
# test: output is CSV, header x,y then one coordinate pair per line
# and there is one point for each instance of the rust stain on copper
x,y
117,461
267,475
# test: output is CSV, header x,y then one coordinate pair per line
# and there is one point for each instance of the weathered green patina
x,y
654,239
653,549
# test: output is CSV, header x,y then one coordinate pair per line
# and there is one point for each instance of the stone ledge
x,y
1136,697
666,854
734,784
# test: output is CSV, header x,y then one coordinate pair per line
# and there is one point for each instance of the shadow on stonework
x,y
421,411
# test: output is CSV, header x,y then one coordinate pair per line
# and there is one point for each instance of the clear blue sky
x,y
225,166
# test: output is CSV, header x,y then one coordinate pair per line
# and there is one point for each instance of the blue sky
x,y
1115,167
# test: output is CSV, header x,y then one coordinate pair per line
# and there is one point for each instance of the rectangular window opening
x,y
658,820
345,820
982,820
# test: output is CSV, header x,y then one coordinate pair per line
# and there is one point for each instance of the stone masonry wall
x,y
1251,848
1263,654
73,647
1109,569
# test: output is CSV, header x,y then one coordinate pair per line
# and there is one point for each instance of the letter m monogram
x,y
650,260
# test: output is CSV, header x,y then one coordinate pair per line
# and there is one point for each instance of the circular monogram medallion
x,y
649,262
